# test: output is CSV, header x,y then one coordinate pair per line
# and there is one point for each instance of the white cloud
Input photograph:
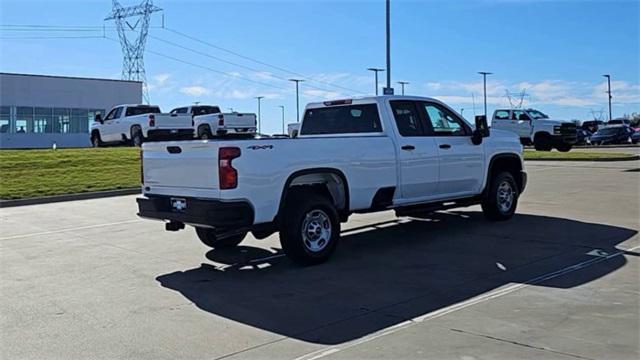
x,y
160,79
195,90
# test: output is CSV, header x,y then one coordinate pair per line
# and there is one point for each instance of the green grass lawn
x,y
34,173
582,155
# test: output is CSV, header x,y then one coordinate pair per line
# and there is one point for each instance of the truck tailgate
x,y
239,120
166,121
180,164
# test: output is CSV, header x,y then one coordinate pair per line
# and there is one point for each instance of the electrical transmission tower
x,y
516,99
133,20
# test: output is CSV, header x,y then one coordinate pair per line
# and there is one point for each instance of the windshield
x,y
535,114
607,131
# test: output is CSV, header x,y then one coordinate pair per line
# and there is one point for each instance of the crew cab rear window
x,y
342,120
140,110
204,110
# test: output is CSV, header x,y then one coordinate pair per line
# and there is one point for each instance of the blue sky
x,y
556,50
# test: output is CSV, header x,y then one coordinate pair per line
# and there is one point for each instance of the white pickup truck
x,y
535,128
411,154
209,121
135,124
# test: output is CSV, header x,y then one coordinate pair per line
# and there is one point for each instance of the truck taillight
x,y
227,174
220,120
141,169
152,120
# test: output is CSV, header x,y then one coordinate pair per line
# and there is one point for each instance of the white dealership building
x,y
37,111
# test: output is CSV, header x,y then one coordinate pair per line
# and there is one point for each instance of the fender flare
x,y
295,174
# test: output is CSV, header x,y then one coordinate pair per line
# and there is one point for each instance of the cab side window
x,y
502,115
519,115
443,122
407,118
114,114
179,111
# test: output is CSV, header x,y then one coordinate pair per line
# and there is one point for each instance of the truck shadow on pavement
x,y
384,274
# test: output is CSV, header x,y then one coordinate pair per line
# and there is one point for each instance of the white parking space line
x,y
465,304
69,229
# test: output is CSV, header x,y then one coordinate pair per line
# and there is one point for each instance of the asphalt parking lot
x,y
87,279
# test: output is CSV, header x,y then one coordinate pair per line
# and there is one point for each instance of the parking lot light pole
x,y
609,92
259,118
282,108
403,83
484,80
297,81
376,71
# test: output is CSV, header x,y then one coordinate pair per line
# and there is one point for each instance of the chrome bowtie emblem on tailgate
x,y
178,204
260,147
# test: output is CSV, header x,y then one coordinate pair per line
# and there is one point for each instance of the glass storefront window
x,y
79,120
62,120
43,120
5,117
24,119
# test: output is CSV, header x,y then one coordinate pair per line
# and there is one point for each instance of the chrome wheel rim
x,y
316,230
506,196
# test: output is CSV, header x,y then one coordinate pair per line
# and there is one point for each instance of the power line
x,y
208,68
48,37
71,28
224,60
258,61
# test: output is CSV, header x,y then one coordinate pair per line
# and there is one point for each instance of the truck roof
x,y
138,105
366,100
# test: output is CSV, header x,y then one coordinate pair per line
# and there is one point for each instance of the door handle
x,y
445,146
408,147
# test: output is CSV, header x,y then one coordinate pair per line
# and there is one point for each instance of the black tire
x,y
494,204
564,147
96,141
209,237
315,215
204,133
542,142
136,137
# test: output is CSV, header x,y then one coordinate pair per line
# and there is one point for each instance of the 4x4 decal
x,y
260,147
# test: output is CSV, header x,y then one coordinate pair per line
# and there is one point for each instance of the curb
x,y
611,159
68,197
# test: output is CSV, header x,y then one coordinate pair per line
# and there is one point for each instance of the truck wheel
x,y
563,147
136,137
204,133
501,199
310,229
542,142
96,141
208,237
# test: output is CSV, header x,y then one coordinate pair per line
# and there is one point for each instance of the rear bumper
x,y
198,212
239,130
169,134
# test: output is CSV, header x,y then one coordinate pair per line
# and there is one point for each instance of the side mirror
x,y
481,131
98,118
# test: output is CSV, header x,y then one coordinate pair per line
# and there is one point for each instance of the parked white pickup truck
x,y
410,154
135,124
209,121
535,128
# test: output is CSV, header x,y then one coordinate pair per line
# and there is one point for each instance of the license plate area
x,y
178,204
